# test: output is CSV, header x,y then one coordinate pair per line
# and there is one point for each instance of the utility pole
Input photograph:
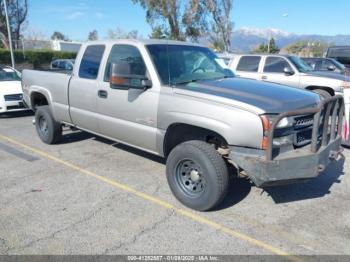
x,y
9,34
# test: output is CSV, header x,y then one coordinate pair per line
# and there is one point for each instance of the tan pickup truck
x,y
178,100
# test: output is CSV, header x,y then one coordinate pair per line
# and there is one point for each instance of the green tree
x,y
182,19
296,47
307,48
18,13
221,24
270,47
93,35
119,33
262,48
58,36
159,33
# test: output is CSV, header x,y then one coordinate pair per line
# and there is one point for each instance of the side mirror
x,y
288,71
121,78
331,68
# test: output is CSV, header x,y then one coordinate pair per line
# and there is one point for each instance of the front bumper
x,y
288,168
12,106
269,167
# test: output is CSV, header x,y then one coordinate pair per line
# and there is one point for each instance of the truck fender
x,y
43,91
214,125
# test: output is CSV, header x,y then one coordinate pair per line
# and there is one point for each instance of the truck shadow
x,y
132,150
75,136
17,114
240,188
314,188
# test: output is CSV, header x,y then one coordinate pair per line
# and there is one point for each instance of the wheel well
x,y
38,99
179,133
325,88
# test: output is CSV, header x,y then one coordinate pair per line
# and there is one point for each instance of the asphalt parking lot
x,y
89,195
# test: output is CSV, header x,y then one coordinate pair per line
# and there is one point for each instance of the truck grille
x,y
303,121
303,137
303,130
317,126
13,97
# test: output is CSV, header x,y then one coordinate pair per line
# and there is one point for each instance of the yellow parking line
x,y
180,211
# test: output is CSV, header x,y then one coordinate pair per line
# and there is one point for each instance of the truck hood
x,y
10,87
251,95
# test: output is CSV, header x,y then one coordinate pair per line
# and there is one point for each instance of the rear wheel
x,y
197,175
49,131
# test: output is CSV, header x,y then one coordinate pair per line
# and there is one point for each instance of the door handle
x,y
264,77
102,93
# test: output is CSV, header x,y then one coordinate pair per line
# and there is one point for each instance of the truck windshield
x,y
8,74
180,64
302,66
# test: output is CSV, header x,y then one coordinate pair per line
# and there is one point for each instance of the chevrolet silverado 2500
x,y
178,100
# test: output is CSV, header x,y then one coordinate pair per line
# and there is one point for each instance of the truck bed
x,y
54,84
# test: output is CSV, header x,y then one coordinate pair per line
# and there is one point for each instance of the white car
x,y
11,95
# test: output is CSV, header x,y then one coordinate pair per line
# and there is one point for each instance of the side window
x,y
249,63
129,54
275,65
91,61
311,63
326,64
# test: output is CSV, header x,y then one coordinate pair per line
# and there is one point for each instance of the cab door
x,y
126,114
83,89
278,70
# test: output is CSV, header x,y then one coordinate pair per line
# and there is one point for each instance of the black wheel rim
x,y
189,178
43,128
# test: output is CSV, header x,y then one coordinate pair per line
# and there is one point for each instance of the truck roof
x,y
264,54
143,42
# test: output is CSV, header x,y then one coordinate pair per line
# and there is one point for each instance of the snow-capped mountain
x,y
264,33
246,39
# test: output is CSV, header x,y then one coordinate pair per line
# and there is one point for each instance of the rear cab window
x,y
91,61
249,63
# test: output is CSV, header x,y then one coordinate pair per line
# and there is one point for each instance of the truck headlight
x,y
283,140
285,122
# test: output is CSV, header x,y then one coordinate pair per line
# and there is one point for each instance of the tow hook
x,y
335,154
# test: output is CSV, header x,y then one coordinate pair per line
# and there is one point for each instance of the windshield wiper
x,y
187,82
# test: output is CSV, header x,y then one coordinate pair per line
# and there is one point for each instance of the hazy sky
x,y
76,18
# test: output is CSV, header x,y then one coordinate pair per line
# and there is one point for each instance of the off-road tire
x,y
49,131
213,171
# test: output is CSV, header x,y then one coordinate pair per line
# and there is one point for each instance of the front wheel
x,y
197,175
48,129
